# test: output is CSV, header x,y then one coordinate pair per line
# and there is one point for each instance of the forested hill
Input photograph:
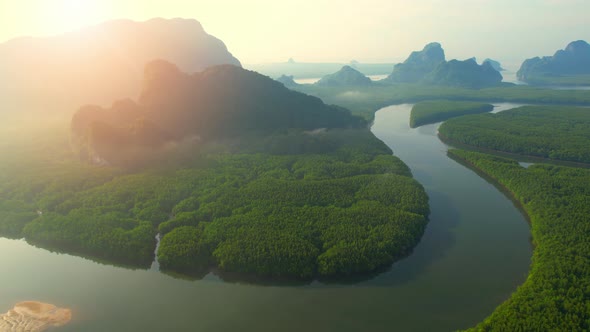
x,y
227,100
220,102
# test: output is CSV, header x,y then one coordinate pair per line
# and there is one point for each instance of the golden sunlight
x,y
50,17
72,14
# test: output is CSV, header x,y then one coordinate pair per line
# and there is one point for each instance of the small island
x,y
32,316
439,110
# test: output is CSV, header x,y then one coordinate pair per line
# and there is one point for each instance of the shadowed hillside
x,y
220,102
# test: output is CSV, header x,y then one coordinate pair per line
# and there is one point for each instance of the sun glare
x,y
72,14
76,13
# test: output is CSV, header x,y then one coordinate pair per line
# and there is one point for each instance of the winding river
x,y
475,252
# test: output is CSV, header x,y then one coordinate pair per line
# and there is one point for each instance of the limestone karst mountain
x,y
467,74
429,66
573,60
418,64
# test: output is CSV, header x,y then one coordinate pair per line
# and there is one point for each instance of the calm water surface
x,y
475,252
315,79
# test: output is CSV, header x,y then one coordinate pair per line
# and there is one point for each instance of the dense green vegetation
x,y
182,250
297,216
365,101
556,293
322,203
236,172
560,133
439,110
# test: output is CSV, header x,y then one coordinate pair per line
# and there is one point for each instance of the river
x,y
312,80
476,250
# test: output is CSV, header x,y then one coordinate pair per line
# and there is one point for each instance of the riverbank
x,y
555,292
516,156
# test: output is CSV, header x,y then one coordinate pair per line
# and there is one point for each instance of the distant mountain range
x,y
103,62
305,70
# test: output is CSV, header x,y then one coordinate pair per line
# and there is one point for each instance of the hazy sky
x,y
333,30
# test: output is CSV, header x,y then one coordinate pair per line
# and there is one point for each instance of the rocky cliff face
x,y
495,64
104,62
418,64
466,74
430,67
573,60
347,76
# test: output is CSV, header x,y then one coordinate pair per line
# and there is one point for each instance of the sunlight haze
x,y
294,165
314,31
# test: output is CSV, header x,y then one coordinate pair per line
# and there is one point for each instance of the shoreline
x,y
511,155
